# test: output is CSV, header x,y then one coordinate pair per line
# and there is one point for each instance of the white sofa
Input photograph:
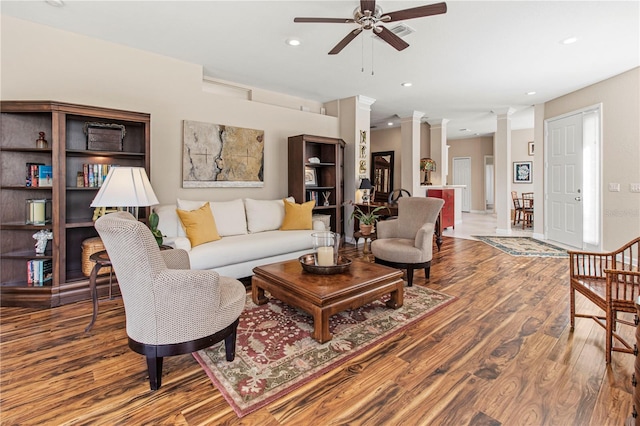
x,y
250,235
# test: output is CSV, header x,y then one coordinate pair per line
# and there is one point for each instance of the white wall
x,y
42,63
519,152
620,98
476,148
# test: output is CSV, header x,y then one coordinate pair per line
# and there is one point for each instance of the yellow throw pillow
x,y
297,216
199,225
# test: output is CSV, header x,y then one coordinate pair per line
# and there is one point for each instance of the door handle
x,y
578,199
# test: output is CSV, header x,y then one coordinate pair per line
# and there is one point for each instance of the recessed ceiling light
x,y
390,124
406,84
293,42
55,3
531,93
569,40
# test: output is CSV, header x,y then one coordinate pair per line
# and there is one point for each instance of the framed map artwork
x,y
215,155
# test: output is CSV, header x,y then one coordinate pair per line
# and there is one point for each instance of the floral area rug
x,y
275,353
524,246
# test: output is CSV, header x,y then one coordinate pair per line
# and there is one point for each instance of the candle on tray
x,y
325,256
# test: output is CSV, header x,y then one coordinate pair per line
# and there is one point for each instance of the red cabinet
x,y
448,212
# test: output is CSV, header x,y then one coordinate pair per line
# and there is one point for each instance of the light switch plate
x,y
614,187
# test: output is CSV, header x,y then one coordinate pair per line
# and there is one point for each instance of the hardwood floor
x,y
500,355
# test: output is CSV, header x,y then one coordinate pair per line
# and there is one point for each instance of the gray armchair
x,y
170,309
407,241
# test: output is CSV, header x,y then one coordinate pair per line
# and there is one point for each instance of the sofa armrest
x,y
176,259
178,243
424,240
184,300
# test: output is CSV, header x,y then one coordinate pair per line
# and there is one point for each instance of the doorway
x,y
572,178
489,186
462,176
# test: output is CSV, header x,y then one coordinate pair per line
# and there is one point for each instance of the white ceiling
x,y
479,57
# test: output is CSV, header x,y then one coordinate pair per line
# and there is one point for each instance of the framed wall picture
x,y
217,155
310,176
530,148
523,172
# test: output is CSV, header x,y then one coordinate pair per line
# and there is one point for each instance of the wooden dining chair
x,y
527,209
517,207
611,281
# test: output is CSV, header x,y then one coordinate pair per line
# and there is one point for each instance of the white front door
x,y
462,176
564,180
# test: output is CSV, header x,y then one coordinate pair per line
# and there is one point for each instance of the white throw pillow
x,y
229,215
264,215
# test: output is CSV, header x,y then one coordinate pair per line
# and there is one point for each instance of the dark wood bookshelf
x,y
63,125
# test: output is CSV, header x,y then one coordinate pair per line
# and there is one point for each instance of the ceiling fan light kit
x,y
369,17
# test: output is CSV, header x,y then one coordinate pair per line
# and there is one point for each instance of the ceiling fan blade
x,y
395,41
417,12
369,5
338,47
325,20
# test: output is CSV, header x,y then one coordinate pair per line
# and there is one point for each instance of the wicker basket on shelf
x,y
90,246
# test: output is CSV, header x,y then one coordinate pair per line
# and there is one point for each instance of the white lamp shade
x,y
125,187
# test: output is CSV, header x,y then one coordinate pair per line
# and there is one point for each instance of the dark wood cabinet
x,y
447,214
316,169
64,126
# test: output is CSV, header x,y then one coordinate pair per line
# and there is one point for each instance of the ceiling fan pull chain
x,y
362,53
372,56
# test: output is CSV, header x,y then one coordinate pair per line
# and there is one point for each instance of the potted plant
x,y
366,220
153,225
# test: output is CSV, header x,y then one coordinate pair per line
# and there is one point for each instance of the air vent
x,y
401,30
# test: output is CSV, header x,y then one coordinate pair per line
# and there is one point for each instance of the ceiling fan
x,y
370,17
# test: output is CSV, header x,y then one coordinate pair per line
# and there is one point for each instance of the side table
x,y
101,259
372,236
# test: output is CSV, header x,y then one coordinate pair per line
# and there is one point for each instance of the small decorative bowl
x,y
308,262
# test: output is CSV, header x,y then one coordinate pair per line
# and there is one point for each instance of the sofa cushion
x,y
245,248
199,225
229,215
264,215
297,216
169,222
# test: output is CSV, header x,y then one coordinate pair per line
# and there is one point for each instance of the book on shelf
x,y
94,174
313,196
45,176
39,272
32,174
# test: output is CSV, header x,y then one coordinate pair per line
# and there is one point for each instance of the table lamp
x,y
427,165
126,188
365,184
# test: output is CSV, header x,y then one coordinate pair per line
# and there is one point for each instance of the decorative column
x,y
502,167
410,153
354,115
439,151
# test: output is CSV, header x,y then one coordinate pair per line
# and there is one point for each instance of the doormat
x,y
523,246
275,353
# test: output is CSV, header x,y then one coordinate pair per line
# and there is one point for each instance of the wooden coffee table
x,y
325,295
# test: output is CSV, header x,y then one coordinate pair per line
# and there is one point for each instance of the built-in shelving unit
x,y
309,179
67,152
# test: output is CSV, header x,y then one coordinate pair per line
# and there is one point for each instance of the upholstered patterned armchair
x,y
407,241
170,309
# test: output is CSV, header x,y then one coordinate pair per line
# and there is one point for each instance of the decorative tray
x,y
308,262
